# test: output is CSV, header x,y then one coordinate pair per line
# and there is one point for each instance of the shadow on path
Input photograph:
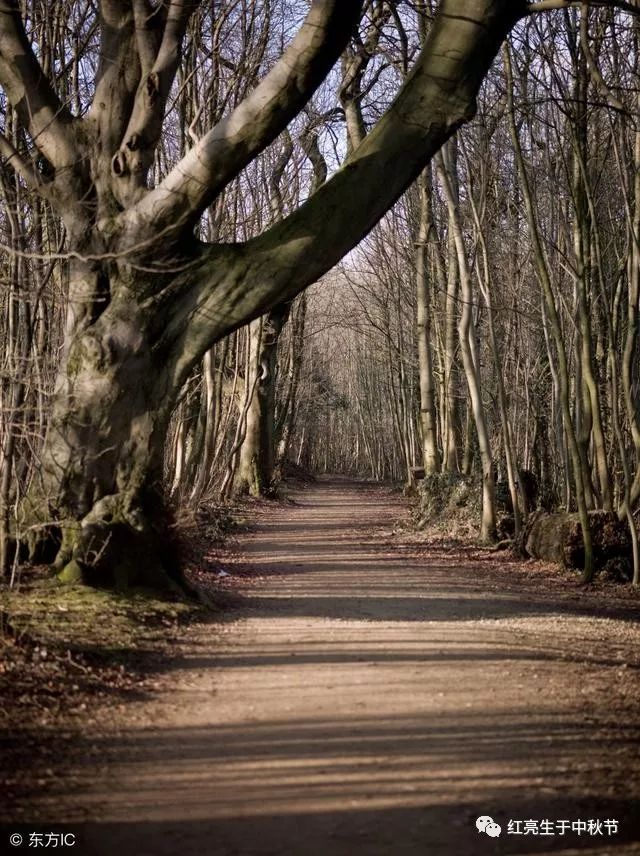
x,y
367,702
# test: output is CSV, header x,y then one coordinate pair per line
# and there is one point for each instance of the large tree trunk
x,y
99,491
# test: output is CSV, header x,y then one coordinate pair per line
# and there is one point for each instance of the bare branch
x,y
145,125
39,109
438,96
549,5
275,179
221,153
355,62
23,167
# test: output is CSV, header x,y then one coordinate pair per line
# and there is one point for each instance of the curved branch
x,y
48,121
550,5
228,147
145,124
240,282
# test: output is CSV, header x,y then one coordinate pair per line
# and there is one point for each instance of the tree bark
x,y
430,451
100,481
258,453
470,360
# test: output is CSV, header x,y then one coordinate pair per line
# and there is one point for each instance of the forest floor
x,y
367,693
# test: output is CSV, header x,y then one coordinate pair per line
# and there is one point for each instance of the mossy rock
x,y
444,496
72,573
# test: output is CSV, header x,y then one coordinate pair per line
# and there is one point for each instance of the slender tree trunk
x,y
430,451
451,438
258,454
467,338
484,278
554,322
288,418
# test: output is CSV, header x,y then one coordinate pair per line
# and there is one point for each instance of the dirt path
x,y
372,698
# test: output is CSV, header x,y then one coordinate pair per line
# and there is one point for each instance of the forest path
x,y
371,697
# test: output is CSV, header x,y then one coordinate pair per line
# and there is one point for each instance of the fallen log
x,y
558,538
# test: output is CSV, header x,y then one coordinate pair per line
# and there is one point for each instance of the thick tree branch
x,y
437,98
118,75
550,5
39,109
148,21
225,150
145,125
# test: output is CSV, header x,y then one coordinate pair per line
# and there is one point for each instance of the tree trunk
x,y
258,453
98,497
451,439
430,451
470,360
287,417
